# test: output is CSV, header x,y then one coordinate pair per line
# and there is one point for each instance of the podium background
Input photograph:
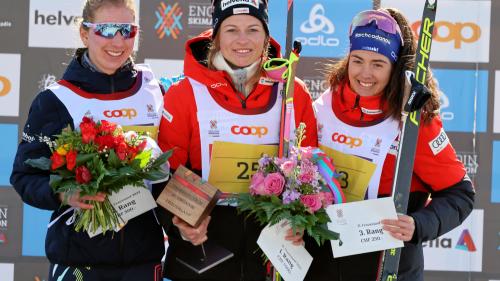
x,y
37,39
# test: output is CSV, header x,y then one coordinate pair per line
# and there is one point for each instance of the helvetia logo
x,y
58,19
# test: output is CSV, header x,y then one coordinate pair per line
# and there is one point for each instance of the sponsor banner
x,y
7,271
495,173
164,27
462,29
47,19
464,99
10,223
10,72
470,161
33,271
199,15
461,249
165,68
168,23
322,26
13,25
35,223
312,72
496,110
316,86
278,13
8,143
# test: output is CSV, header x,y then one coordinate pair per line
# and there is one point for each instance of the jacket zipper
x,y
112,82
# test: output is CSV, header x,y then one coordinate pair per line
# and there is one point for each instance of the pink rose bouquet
x,y
297,188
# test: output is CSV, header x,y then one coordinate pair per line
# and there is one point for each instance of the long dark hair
x,y
393,92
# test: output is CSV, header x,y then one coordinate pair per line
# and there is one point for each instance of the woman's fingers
x,y
196,235
402,228
295,237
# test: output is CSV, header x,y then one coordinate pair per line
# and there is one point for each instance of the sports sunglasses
x,y
383,20
109,29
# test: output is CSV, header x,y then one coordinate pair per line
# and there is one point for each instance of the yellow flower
x,y
62,150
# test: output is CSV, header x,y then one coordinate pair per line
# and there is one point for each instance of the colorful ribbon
x,y
327,171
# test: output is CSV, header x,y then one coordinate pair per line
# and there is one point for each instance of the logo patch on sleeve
x,y
439,143
167,115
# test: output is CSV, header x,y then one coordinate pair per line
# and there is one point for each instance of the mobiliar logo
x,y
461,249
462,29
10,73
55,23
464,243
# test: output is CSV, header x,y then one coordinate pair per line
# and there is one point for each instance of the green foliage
x,y
109,172
271,210
42,163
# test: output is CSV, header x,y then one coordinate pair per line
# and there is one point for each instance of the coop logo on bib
x,y
121,113
249,130
352,142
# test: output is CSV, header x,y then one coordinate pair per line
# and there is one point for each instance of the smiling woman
x,y
364,103
103,82
227,98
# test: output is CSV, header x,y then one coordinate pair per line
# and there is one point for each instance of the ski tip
x,y
431,4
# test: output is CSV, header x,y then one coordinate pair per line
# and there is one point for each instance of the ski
x,y
389,263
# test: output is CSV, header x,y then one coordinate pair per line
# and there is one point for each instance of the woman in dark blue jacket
x,y
100,81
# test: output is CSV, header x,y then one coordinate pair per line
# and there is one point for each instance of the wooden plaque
x,y
188,196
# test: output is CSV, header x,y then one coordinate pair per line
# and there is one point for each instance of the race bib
x,y
233,164
355,173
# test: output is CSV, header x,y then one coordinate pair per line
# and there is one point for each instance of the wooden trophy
x,y
191,199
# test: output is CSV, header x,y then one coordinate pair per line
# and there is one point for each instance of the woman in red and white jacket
x,y
226,97
359,116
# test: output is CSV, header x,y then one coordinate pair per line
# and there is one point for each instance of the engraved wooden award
x,y
191,199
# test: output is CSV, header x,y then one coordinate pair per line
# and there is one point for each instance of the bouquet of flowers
x,y
297,188
100,157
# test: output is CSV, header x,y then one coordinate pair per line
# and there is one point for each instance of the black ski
x,y
389,264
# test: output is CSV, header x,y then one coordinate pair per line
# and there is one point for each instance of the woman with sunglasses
x,y
226,97
364,103
102,81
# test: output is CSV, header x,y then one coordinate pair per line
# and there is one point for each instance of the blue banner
x,y
460,88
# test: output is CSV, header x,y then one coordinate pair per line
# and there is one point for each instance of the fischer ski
x,y
389,263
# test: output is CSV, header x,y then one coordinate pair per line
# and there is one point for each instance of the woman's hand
x,y
74,200
401,229
295,237
196,235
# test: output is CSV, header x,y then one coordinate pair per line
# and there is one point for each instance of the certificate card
x,y
359,226
291,261
129,202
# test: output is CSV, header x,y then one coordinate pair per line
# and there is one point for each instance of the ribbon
x,y
327,171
